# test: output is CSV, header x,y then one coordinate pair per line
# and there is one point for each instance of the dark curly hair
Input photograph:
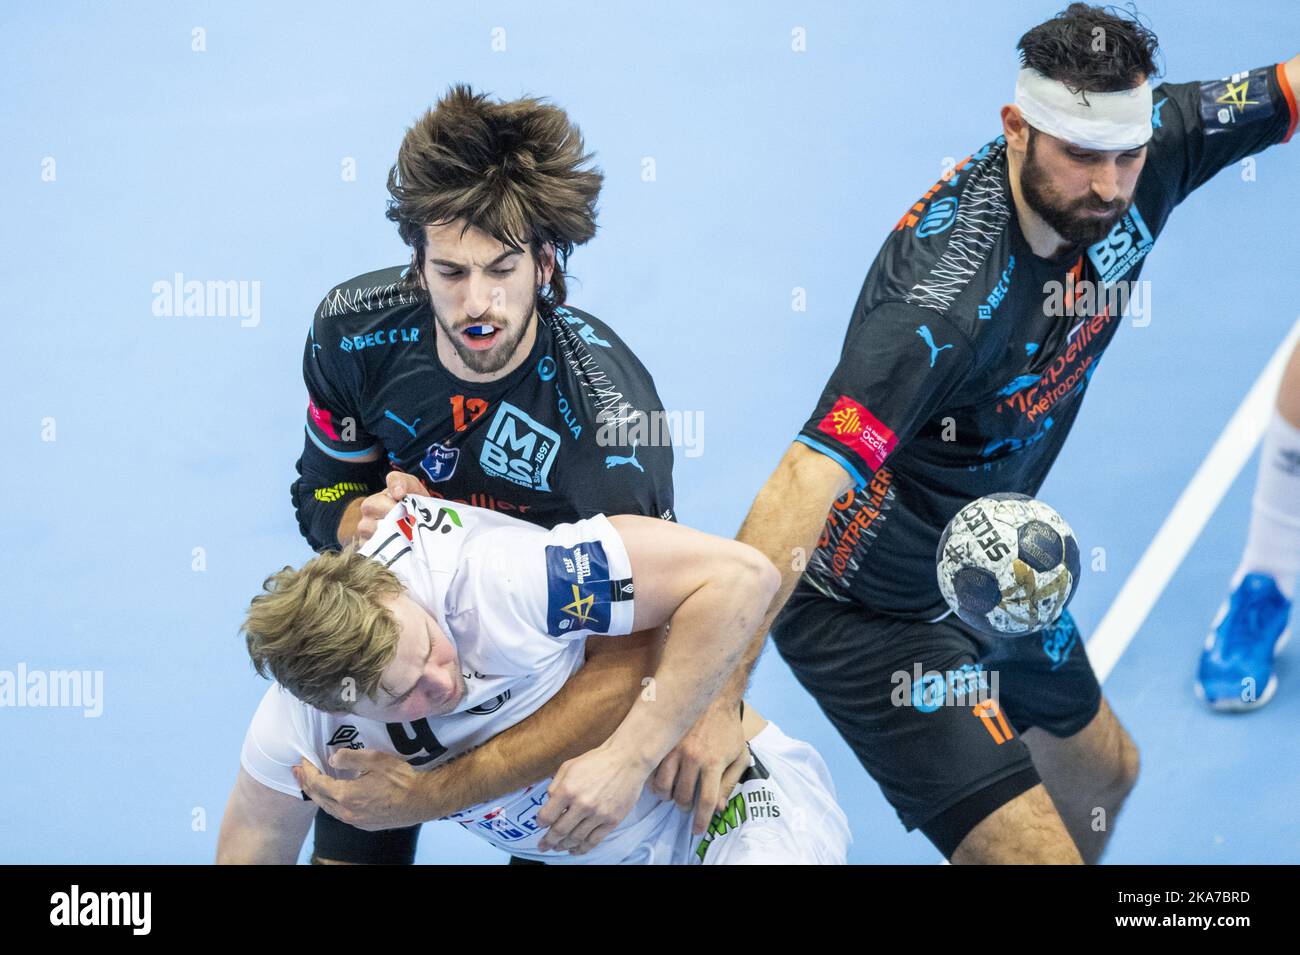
x,y
1065,48
517,170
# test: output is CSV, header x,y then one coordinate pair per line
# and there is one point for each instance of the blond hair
x,y
322,632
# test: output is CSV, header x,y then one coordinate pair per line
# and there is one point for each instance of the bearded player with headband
x,y
973,340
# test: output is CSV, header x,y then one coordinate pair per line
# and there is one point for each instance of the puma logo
x,y
614,460
409,427
924,332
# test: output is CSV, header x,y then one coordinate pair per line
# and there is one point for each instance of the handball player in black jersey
x,y
465,376
978,328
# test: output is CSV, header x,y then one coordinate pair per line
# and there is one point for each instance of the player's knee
x,y
1128,766
1108,761
318,860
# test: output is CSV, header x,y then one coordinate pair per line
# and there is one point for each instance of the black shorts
x,y
934,711
339,842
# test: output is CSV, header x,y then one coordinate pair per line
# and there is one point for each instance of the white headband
x,y
1120,120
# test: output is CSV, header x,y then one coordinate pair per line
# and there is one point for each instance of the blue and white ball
x,y
1008,564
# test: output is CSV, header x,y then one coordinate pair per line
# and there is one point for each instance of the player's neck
x,y
1044,241
452,361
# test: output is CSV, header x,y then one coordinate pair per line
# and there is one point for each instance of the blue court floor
x,y
150,454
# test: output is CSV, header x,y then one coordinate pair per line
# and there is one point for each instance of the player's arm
x,y
262,826
702,586
788,514
881,393
784,524
342,471
581,716
329,494
712,592
1202,128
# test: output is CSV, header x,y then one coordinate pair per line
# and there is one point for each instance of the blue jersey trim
x,y
840,459
341,455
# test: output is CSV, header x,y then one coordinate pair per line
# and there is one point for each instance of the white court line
x,y
1185,522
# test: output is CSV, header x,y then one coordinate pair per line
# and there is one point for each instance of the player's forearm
x,y
784,525
585,713
349,521
709,632
327,490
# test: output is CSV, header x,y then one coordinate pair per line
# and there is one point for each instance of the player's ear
x,y
1015,129
545,263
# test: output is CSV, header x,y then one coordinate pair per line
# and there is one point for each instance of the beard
x,y
487,361
1072,221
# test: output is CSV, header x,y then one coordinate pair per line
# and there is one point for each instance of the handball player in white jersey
x,y
454,623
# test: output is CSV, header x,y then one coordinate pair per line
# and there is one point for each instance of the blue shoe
x,y
1251,627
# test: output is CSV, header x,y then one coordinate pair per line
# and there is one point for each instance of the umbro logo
x,y
346,735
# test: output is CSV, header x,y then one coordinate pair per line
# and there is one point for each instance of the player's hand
x,y
376,506
588,797
703,769
384,796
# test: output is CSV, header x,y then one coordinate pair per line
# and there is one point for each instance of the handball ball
x,y
1008,564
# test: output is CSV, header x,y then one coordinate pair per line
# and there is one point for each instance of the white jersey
x,y
518,601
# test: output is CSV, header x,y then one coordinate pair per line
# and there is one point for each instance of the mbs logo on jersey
x,y
579,592
519,449
1123,248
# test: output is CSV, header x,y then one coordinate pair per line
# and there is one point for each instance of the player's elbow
x,y
300,497
750,576
767,577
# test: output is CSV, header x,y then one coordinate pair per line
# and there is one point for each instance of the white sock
x,y
1273,545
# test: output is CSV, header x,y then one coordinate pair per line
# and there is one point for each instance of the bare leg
x,y
1068,819
1025,831
1089,775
